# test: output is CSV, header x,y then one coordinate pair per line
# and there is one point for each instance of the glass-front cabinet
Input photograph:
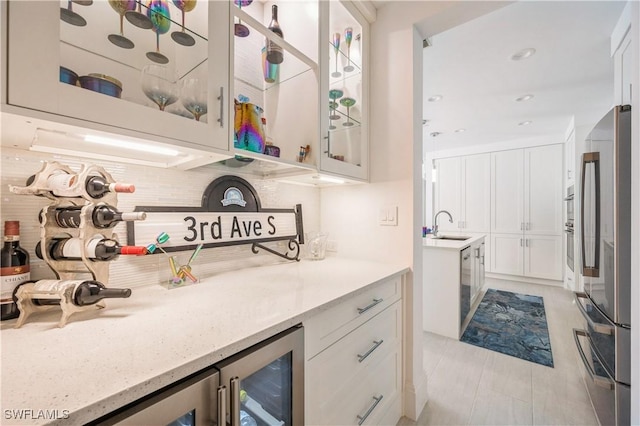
x,y
155,69
344,47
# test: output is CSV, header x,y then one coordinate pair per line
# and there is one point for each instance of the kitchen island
x,y
452,281
102,360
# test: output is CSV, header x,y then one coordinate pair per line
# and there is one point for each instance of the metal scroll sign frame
x,y
230,214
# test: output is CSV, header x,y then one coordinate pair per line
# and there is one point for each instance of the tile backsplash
x,y
154,187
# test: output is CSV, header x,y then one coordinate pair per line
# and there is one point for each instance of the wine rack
x,y
76,195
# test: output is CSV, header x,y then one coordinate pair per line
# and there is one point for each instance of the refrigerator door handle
x,y
222,406
235,402
603,382
598,328
590,270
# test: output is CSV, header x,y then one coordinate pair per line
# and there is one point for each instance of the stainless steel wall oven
x,y
568,227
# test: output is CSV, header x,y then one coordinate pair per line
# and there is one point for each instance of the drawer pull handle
x,y
376,400
373,348
369,306
221,99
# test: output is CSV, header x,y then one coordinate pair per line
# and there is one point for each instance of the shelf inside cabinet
x,y
263,166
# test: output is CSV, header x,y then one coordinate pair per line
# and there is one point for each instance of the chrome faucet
x,y
435,221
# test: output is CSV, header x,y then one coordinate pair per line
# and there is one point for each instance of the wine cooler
x,y
260,386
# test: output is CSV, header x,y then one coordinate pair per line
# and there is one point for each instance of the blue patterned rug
x,y
513,324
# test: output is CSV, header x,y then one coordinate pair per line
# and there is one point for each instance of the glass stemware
x,y
194,96
137,18
159,85
240,29
348,102
158,13
182,37
336,49
121,7
348,36
334,94
71,17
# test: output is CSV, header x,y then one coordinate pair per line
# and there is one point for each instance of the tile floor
x,y
468,385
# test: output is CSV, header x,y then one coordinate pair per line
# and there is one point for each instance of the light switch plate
x,y
390,214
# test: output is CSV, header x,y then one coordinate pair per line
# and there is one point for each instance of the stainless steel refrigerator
x,y
604,344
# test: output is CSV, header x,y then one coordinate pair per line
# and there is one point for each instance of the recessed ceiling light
x,y
525,123
524,98
460,130
435,98
523,54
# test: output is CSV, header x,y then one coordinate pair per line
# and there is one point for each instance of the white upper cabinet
x,y
285,93
507,191
448,193
344,51
119,90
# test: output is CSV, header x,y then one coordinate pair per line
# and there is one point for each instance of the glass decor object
x,y
275,55
194,96
348,36
336,50
240,29
334,94
270,71
137,18
71,17
121,7
159,85
334,115
158,13
348,102
181,37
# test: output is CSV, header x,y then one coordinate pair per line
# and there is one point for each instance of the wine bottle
x,y
14,269
64,185
274,52
98,248
84,292
103,216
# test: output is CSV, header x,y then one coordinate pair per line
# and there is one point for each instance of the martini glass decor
x,y
158,13
240,29
182,37
159,85
137,18
348,36
334,94
121,7
71,17
194,96
348,102
336,50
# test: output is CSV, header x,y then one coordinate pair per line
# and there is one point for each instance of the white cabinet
x,y
463,189
40,43
526,211
353,352
570,158
623,67
344,88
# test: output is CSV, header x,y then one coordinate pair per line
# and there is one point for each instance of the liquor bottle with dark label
x,y
64,185
14,269
102,216
84,292
99,249
274,52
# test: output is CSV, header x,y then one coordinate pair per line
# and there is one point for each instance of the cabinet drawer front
x,y
334,368
351,405
326,328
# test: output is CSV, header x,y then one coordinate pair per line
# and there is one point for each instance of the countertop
x,y
107,358
430,242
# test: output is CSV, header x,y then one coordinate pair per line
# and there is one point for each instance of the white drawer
x,y
334,368
382,383
327,327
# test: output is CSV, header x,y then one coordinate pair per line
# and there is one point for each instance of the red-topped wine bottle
x,y
99,249
14,269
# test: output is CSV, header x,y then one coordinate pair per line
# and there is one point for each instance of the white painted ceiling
x,y
570,75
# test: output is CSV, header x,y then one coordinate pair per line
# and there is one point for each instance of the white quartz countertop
x,y
430,242
104,359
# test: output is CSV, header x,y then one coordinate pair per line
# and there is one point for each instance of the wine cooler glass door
x,y
265,382
191,402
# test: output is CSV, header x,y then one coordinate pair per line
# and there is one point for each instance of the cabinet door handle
x,y
477,253
369,306
482,261
526,242
235,401
221,99
522,226
376,401
520,242
222,406
527,226
373,348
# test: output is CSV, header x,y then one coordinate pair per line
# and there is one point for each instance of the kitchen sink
x,y
451,237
